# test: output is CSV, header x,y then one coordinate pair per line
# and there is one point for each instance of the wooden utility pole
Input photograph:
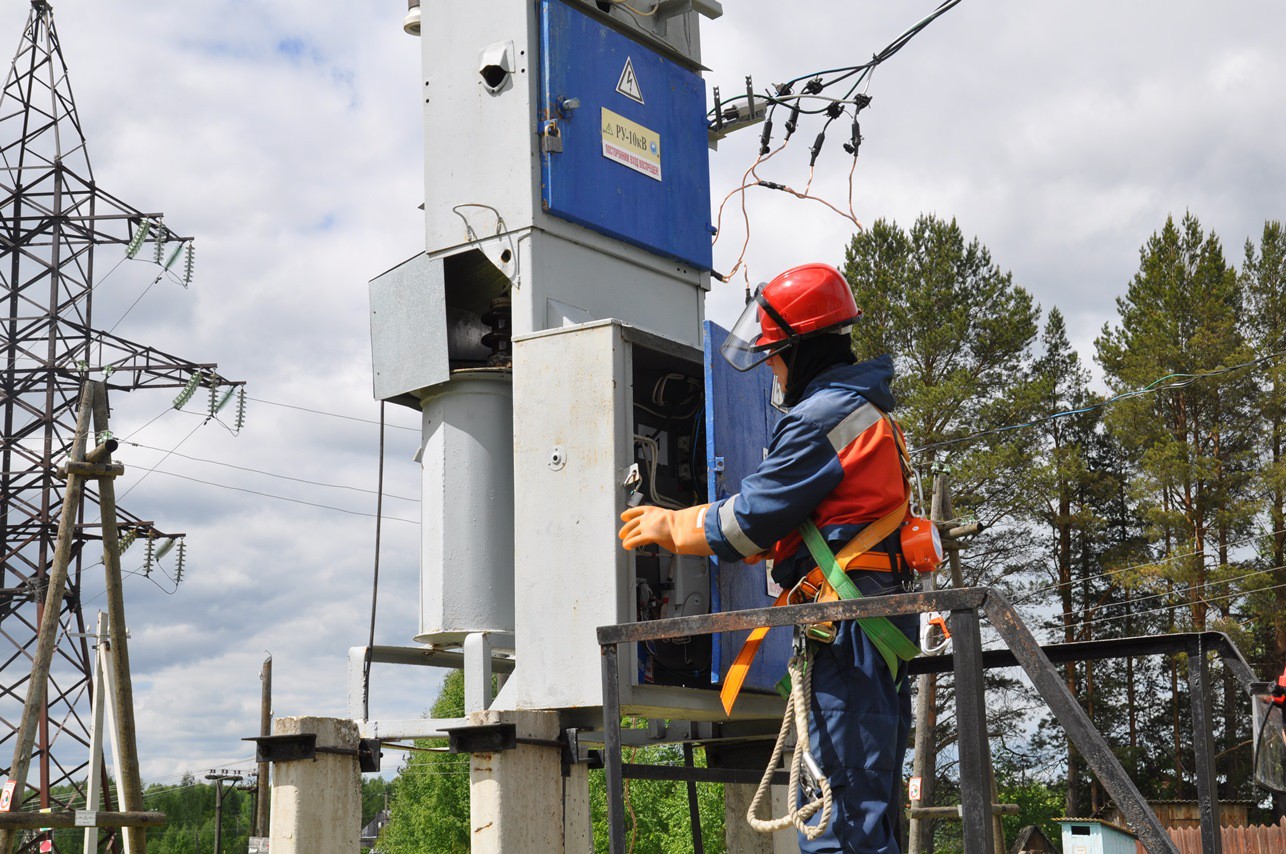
x,y
219,777
32,710
924,764
265,728
80,465
131,794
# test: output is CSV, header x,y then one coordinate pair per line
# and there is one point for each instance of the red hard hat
x,y
807,300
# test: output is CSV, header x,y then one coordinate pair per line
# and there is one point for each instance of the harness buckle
x,y
813,589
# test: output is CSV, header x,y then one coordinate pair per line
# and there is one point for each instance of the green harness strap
x,y
888,638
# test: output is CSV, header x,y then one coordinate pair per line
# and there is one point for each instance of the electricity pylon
x,y
53,215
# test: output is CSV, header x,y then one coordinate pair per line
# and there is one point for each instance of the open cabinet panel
x,y
739,421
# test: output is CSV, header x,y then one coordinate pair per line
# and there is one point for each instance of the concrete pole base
x,y
519,799
317,804
738,833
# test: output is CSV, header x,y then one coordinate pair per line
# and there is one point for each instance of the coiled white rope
x,y
797,707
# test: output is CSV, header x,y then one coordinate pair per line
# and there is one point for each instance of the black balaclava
x,y
810,357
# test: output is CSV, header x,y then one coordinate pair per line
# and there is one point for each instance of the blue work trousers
x,y
858,732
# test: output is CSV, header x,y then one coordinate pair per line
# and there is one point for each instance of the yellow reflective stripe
x,y
854,424
732,532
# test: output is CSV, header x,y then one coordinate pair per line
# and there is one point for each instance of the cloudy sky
x,y
286,136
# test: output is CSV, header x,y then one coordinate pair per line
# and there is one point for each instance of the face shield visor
x,y
748,345
1270,745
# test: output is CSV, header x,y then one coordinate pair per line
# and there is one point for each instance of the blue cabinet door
x,y
739,421
630,159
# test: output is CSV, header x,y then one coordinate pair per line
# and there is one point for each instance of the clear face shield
x,y
744,348
1270,744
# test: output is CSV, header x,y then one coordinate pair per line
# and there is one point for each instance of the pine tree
x,y
1263,279
1179,317
1187,443
960,332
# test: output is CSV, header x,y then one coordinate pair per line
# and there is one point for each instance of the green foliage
x,y
657,817
429,808
376,791
1263,280
1038,804
960,332
189,811
1189,445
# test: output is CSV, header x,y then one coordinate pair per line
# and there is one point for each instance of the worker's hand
x,y
751,560
678,531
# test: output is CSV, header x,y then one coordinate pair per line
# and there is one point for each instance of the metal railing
x,y
966,608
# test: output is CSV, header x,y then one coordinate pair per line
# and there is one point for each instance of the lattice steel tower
x,y
52,216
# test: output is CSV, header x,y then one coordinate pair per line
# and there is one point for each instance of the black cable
x,y
321,412
818,84
277,497
267,473
375,581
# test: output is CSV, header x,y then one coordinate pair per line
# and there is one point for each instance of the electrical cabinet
x,y
604,410
623,137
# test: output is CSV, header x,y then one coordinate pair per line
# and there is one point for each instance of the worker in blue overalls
x,y
834,459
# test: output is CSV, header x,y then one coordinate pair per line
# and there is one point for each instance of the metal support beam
x,y
1080,730
1203,745
612,749
971,722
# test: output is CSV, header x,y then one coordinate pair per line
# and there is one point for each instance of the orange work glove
x,y
678,531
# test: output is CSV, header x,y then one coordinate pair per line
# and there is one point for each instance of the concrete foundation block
x,y
317,804
519,799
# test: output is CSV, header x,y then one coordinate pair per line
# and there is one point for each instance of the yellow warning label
x,y
631,145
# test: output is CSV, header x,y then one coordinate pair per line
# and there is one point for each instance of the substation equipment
x,y
553,337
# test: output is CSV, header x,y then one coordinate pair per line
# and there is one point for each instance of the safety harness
x,y
829,582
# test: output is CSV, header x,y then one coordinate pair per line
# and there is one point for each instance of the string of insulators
x,y
165,548
126,540
178,570
188,390
216,408
149,555
189,261
241,407
140,236
174,255
159,246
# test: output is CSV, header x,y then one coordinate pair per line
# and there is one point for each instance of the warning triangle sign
x,y
628,85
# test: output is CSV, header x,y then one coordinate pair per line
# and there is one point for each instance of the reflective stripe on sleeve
x,y
732,532
858,422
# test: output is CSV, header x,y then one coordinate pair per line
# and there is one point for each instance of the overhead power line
x,y
329,414
1158,562
271,474
1205,599
1134,600
280,497
1156,385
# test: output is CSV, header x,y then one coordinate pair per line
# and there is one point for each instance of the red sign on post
x,y
914,792
6,795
